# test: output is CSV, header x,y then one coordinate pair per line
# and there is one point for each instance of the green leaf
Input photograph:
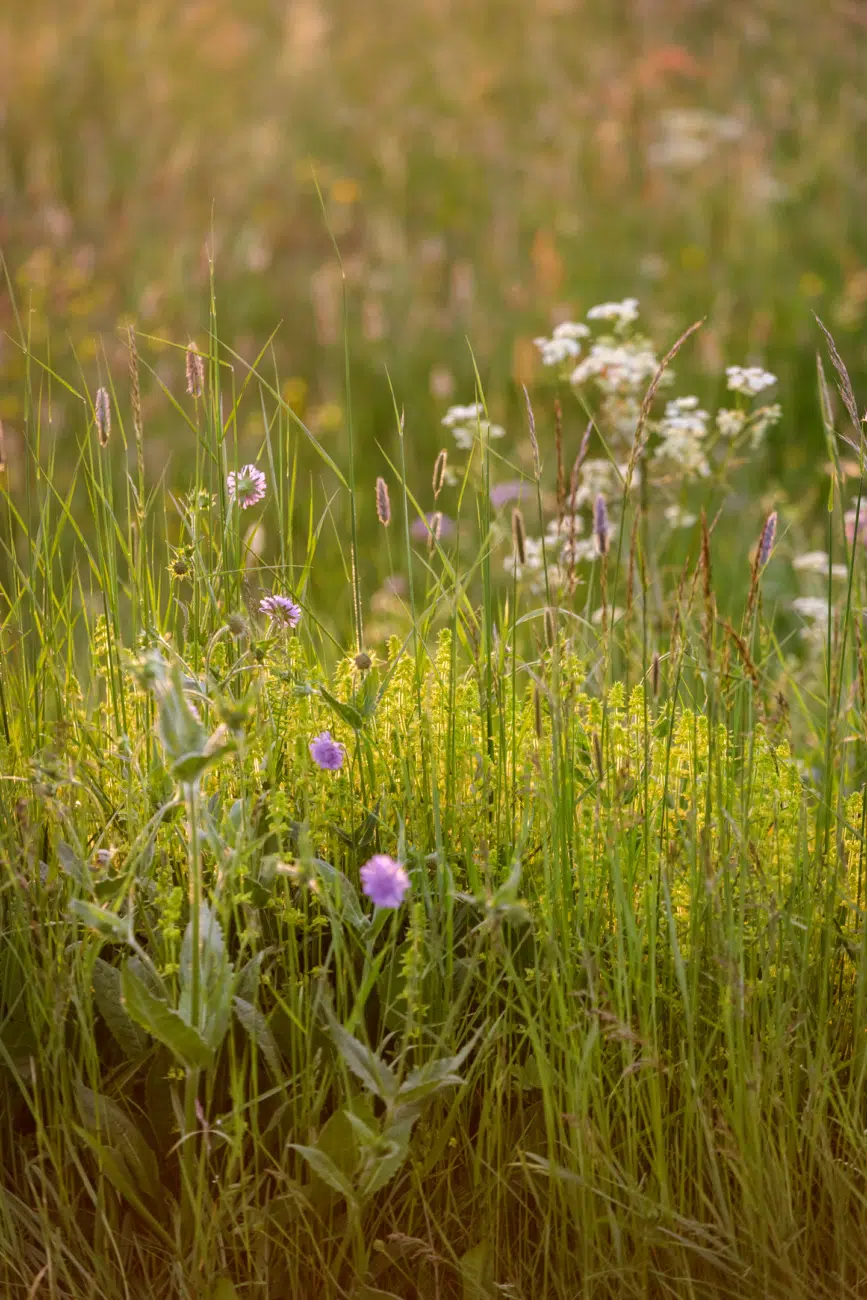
x,y
341,895
72,866
111,1126
106,923
247,978
347,712
257,1027
190,767
215,976
373,1072
131,1039
327,1170
475,1266
383,1162
223,1289
180,731
158,1018
429,1079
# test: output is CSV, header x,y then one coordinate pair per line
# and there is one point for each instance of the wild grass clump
x,y
505,937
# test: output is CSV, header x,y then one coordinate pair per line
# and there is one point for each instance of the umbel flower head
x,y
327,752
281,609
247,486
384,881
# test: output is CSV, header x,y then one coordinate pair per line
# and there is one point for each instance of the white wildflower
x,y
623,313
618,368
763,419
811,607
675,517
749,380
730,422
533,559
817,562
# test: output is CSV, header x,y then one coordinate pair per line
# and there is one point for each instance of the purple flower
x,y
422,529
281,610
246,487
384,881
766,541
326,752
514,490
600,525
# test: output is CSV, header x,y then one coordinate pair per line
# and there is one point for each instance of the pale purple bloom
x,y
326,752
600,525
514,490
766,541
384,881
424,527
247,486
281,610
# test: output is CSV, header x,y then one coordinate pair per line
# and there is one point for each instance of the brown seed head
x,y
195,371
439,473
519,536
383,502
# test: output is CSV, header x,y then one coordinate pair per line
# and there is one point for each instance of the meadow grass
x,y
613,1040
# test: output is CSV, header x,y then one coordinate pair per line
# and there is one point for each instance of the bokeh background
x,y
488,167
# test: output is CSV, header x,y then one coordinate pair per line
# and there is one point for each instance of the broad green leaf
x,y
158,1018
340,894
107,994
475,1266
327,1170
190,767
105,1120
180,731
256,1025
383,1161
348,712
427,1080
72,866
215,978
106,923
223,1289
374,1073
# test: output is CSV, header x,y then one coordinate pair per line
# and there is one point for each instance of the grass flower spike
x,y
246,487
384,881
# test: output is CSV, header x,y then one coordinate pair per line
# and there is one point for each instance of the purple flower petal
x,y
384,881
326,752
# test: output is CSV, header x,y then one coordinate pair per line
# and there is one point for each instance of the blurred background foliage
x,y
488,168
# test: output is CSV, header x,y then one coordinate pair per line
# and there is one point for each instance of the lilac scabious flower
x,y
514,490
246,487
384,881
326,752
433,524
280,609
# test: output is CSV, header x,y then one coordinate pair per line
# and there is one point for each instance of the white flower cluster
x,y
749,380
623,314
817,562
682,431
687,137
564,344
468,422
619,369
601,477
760,421
676,517
730,421
815,607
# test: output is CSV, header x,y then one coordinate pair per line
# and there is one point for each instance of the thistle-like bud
x,y
436,527
383,502
102,415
